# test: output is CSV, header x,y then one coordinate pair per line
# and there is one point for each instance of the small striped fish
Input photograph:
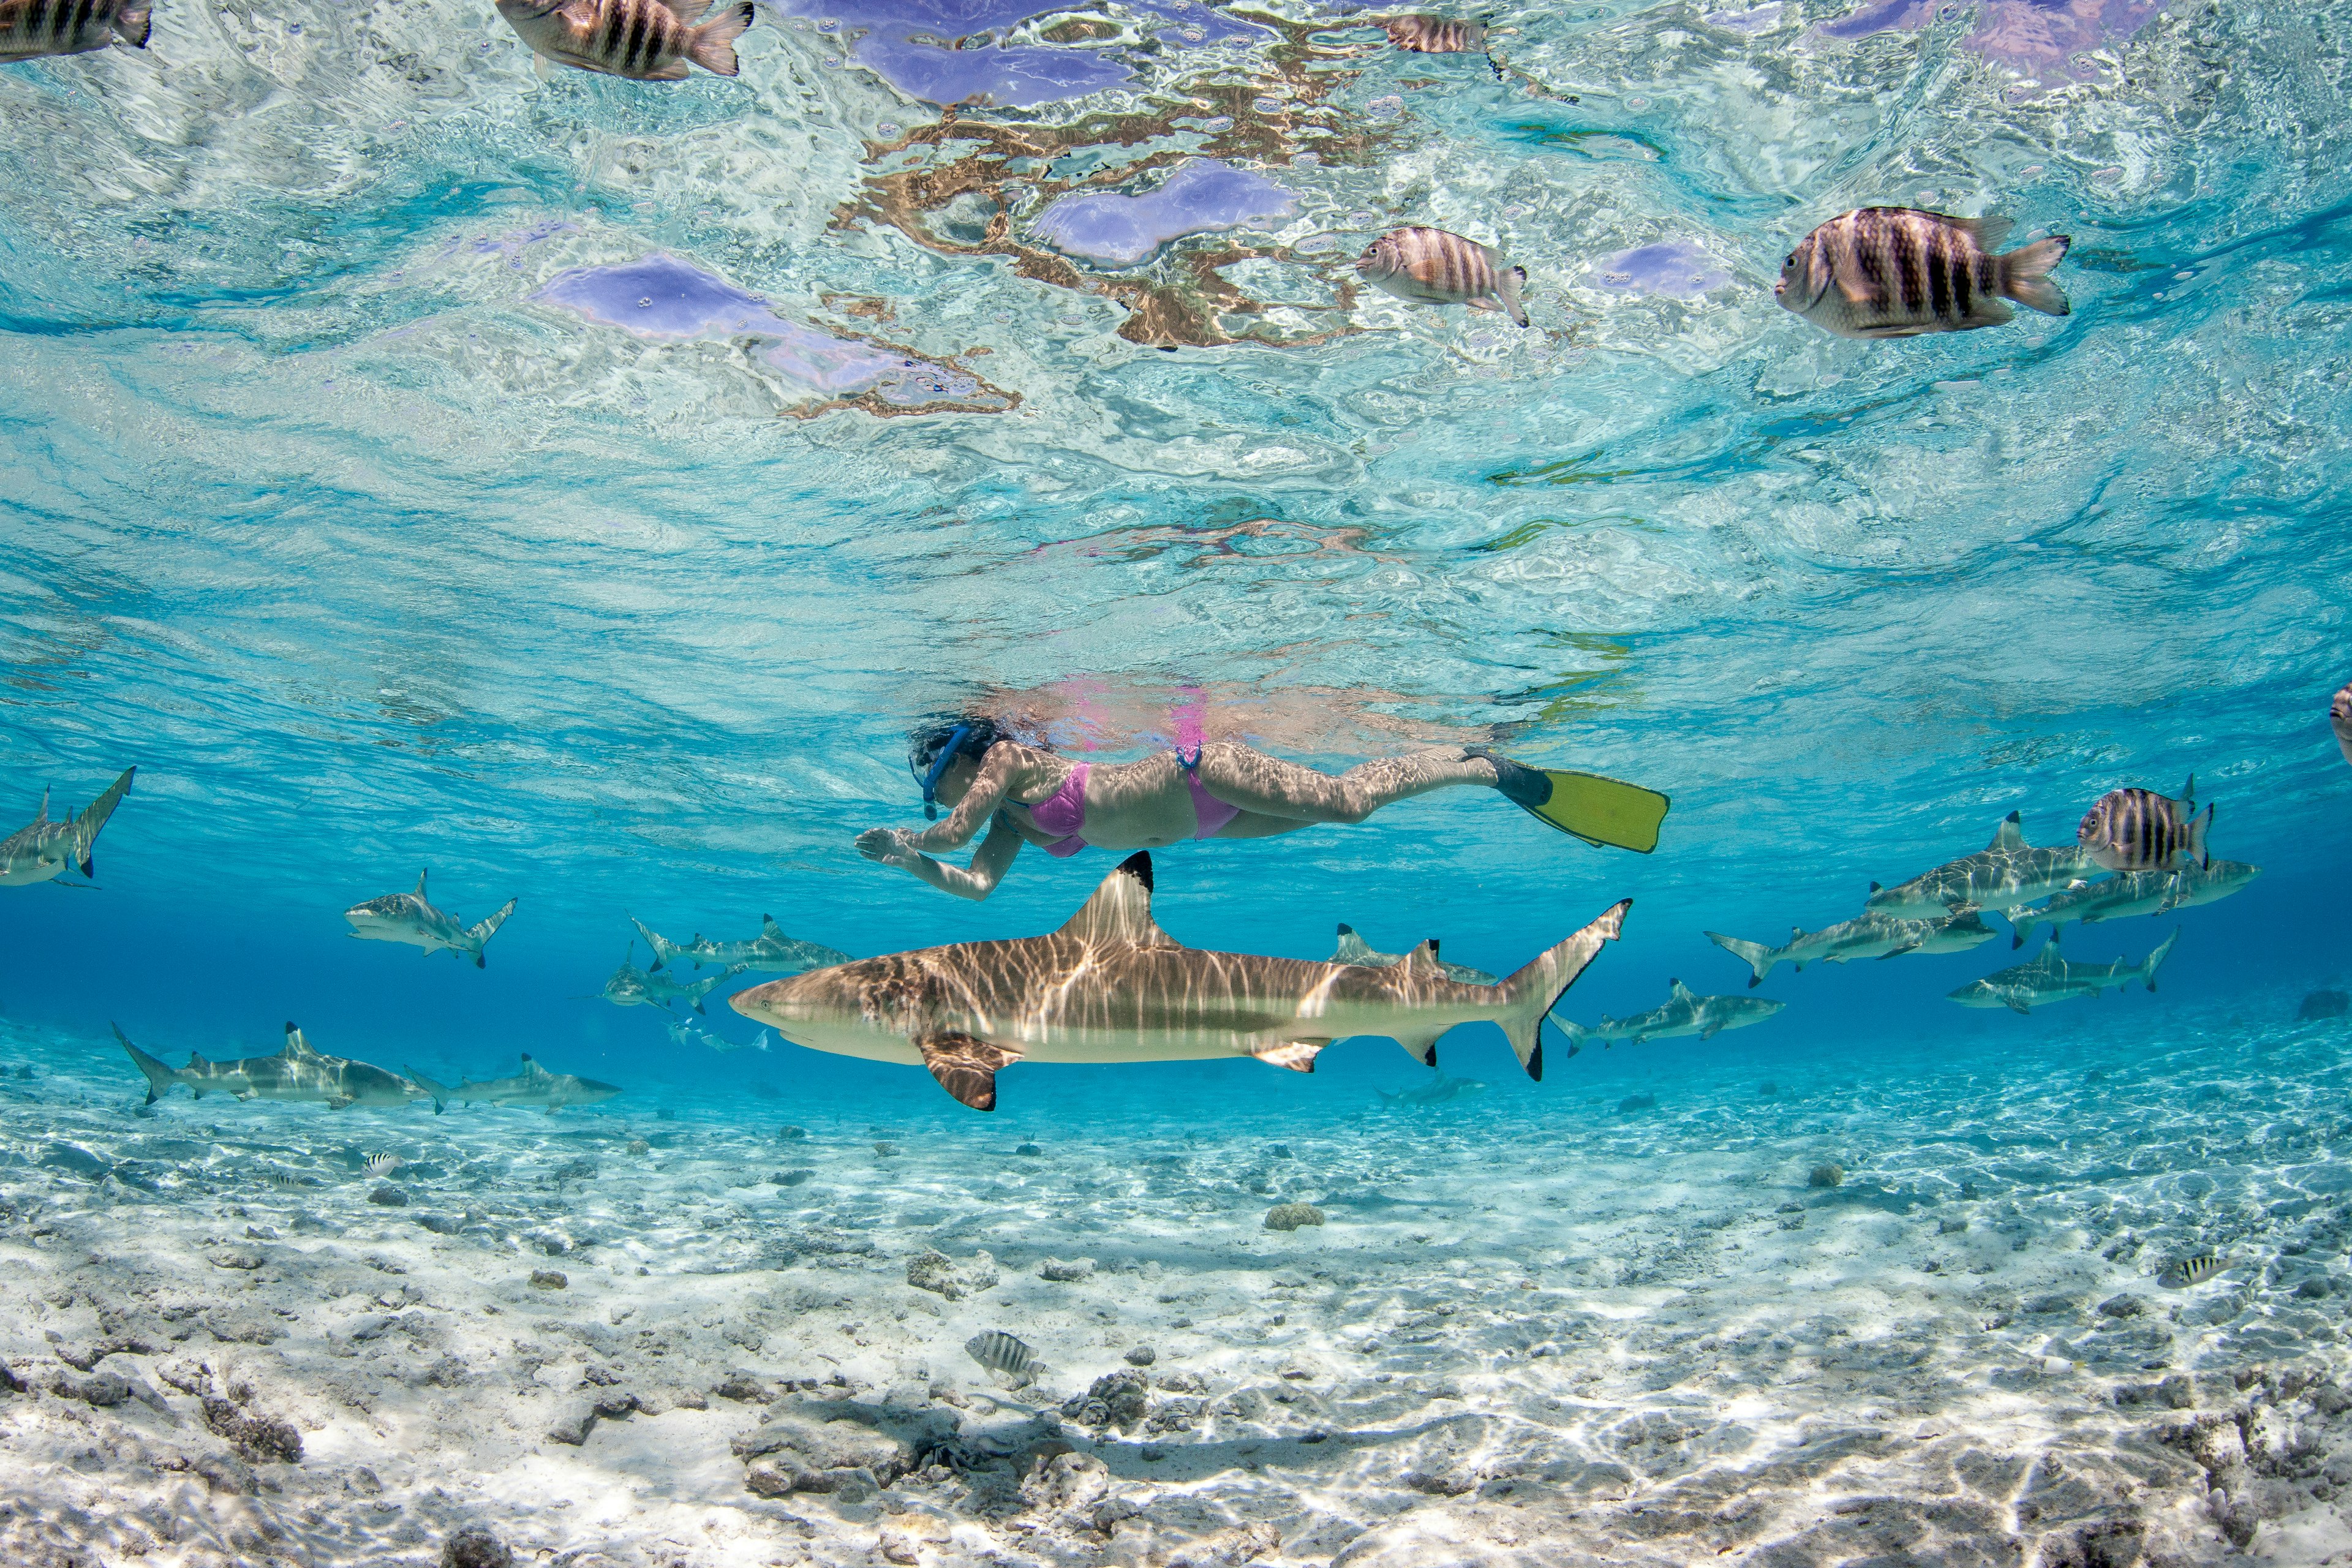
x,y
645,40
31,28
2340,716
1895,272
2140,830
1437,36
384,1164
1001,1353
1434,266
2187,1271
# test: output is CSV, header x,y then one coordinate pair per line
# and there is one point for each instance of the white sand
x,y
1623,1338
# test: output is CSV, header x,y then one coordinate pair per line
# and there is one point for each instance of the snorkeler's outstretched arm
x,y
977,809
895,846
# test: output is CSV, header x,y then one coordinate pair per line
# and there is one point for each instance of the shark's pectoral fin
x,y
1710,1031
1898,952
1299,1056
2017,1007
1421,1048
966,1065
340,1103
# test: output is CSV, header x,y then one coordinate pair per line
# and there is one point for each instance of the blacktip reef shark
x,y
1438,1090
1111,987
1865,936
633,987
2050,978
42,850
296,1073
682,1033
534,1085
770,953
2003,875
1354,949
2134,893
410,917
1684,1012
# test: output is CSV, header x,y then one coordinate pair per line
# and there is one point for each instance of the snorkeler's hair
x,y
979,734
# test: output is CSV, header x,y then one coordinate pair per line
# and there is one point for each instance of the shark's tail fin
x,y
1755,954
440,1096
664,949
1533,992
2198,827
2148,967
93,817
160,1077
482,931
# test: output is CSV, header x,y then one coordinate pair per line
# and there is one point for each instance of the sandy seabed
x,y
1614,1332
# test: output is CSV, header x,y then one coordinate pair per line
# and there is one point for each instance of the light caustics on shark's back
x,y
42,850
411,917
1111,987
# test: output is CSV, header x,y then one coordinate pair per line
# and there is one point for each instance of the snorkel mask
x,y
939,768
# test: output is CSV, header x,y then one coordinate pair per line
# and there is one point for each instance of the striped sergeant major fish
x,y
2140,830
645,40
1895,272
1111,987
32,28
42,850
2339,718
1437,267
1437,36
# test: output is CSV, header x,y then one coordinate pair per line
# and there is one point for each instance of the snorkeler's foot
x,y
1524,785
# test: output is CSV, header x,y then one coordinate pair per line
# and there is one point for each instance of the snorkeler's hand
x,y
890,846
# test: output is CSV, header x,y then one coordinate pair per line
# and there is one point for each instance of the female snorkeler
x,y
1024,793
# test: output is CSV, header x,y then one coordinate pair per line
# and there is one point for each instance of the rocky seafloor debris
x,y
1531,1331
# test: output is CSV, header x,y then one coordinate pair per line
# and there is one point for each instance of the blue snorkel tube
x,y
939,767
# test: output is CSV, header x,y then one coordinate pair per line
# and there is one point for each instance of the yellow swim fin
x,y
1601,810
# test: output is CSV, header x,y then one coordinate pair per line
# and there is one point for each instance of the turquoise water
x,y
581,487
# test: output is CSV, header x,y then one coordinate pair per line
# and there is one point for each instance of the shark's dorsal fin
x,y
1678,991
296,1048
1352,948
2049,958
1120,910
767,927
420,884
44,816
531,1068
1423,961
2010,835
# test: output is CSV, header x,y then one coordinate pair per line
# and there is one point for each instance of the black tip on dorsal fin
x,y
1432,946
1347,930
1138,866
291,1029
1875,888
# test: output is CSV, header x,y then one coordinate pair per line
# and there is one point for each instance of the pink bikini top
x,y
1064,813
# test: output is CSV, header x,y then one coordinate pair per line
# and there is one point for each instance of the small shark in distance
x,y
2050,978
42,850
1354,949
771,952
1682,1013
1111,987
633,987
1865,936
2003,875
1436,1091
409,918
683,1032
296,1073
532,1086
2193,885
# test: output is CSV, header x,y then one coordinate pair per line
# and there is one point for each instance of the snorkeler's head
x,y
937,747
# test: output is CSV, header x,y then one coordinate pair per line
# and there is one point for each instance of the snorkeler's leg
x,y
1240,775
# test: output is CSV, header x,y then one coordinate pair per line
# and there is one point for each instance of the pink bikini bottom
x,y
1063,812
